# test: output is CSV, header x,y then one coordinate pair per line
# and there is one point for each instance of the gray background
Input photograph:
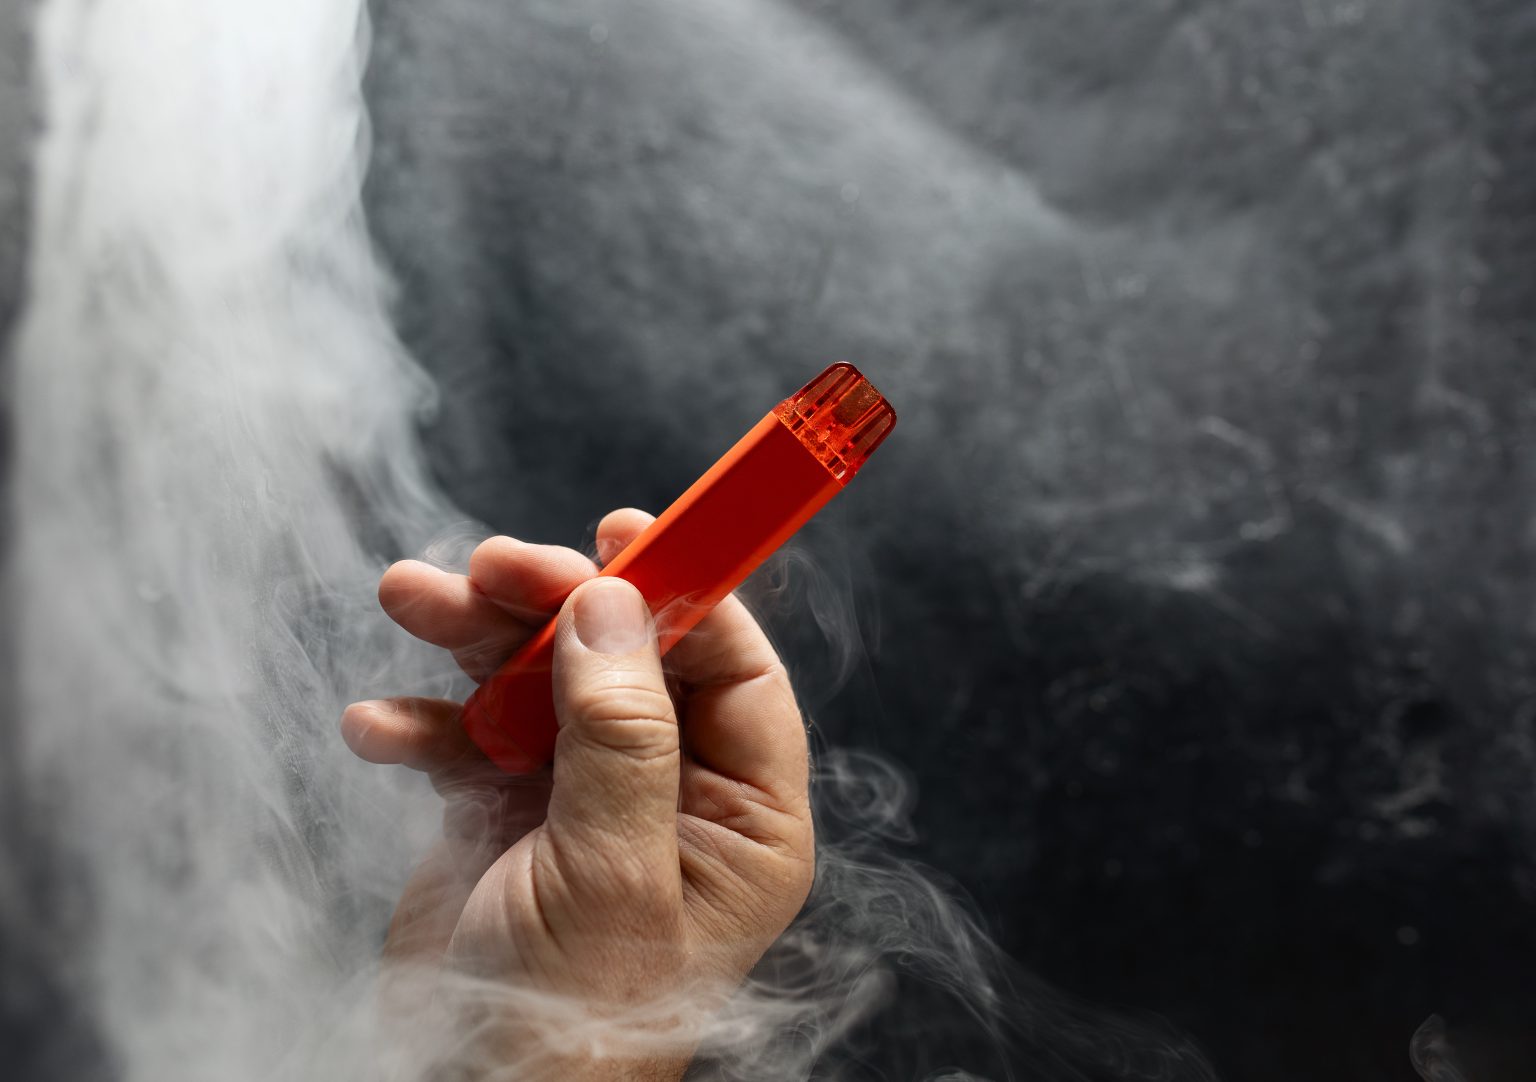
x,y
1194,589
1197,578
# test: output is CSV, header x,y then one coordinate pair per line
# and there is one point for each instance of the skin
x,y
620,895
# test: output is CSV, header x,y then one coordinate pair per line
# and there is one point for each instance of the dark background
x,y
1194,589
1197,577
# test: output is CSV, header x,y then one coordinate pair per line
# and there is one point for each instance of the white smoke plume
x,y
214,450
215,457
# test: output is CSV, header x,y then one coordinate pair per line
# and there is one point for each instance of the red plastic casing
x,y
702,547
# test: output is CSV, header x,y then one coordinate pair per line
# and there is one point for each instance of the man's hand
x,y
646,873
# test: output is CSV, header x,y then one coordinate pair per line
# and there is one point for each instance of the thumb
x,y
617,756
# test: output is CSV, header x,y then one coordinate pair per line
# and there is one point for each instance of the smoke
x,y
1433,1057
885,974
215,457
214,453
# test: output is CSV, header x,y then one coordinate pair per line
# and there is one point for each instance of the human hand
x,y
627,889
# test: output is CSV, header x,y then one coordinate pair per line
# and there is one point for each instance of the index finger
x,y
512,589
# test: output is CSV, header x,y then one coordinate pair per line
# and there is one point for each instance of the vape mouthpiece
x,y
840,418
704,546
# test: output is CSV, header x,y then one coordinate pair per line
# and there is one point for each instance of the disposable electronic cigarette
x,y
703,546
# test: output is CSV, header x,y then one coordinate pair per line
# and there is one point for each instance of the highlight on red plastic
x,y
776,477
840,418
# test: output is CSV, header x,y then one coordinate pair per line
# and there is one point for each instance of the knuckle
x,y
489,555
638,738
616,701
629,716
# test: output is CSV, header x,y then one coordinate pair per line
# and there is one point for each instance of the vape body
x,y
702,547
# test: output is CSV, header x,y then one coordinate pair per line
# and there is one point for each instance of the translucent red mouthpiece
x,y
840,418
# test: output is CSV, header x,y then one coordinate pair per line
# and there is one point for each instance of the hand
x,y
617,897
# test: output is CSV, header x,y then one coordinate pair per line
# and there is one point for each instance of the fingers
x,y
423,734
617,756
618,529
446,610
528,581
485,810
511,590
742,721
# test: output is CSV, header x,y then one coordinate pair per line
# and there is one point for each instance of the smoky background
x,y
1184,625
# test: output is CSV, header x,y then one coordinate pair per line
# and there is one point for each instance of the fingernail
x,y
381,706
611,618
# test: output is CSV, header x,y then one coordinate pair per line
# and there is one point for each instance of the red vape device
x,y
703,546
